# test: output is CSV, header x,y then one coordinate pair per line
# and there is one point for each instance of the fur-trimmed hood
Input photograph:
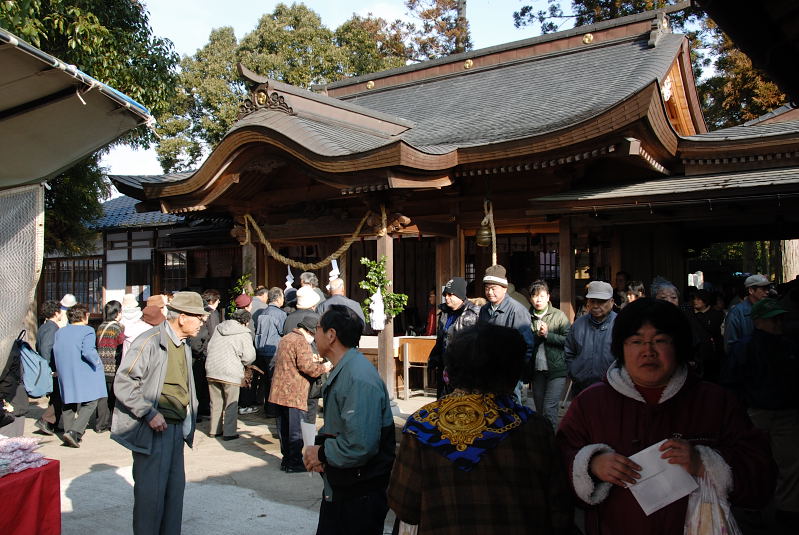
x,y
619,380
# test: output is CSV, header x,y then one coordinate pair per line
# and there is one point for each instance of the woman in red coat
x,y
647,396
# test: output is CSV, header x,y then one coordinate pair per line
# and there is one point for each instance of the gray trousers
x,y
547,394
76,416
158,484
224,408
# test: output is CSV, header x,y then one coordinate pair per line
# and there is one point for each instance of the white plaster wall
x,y
114,282
116,255
140,254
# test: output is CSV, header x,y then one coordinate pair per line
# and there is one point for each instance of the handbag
x,y
315,390
709,513
565,401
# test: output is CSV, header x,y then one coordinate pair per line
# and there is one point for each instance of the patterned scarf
x,y
463,426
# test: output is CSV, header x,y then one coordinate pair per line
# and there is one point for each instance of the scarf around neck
x,y
462,427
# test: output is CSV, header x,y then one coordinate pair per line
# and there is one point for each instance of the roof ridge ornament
x,y
660,27
260,98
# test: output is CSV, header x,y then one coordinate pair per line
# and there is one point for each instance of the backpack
x,y
36,374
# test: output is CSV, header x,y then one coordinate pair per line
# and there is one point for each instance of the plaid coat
x,y
293,359
519,487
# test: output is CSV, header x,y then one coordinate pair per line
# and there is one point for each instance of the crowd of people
x,y
534,414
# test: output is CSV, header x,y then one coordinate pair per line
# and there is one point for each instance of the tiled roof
x,y
136,181
745,131
523,43
785,108
121,213
646,190
526,98
326,138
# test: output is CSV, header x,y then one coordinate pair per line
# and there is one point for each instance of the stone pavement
x,y
233,487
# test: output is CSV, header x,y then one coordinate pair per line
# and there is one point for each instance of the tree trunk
x,y
749,260
790,259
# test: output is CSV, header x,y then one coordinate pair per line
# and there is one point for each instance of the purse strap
x,y
568,392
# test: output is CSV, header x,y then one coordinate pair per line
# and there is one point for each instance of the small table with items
x,y
30,501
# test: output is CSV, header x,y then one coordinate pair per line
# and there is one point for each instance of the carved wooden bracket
x,y
394,222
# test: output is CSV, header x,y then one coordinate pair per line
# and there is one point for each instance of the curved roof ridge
x,y
522,43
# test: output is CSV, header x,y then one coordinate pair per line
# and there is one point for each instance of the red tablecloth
x,y
30,501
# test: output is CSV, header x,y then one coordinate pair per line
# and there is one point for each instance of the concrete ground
x,y
233,487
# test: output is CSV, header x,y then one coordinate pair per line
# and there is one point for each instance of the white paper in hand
x,y
308,433
661,483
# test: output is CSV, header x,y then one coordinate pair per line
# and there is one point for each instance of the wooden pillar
x,y
249,262
385,340
566,253
615,257
445,269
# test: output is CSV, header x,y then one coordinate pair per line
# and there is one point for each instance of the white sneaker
x,y
247,410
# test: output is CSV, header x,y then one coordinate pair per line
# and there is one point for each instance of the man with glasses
x,y
501,309
156,411
738,324
587,348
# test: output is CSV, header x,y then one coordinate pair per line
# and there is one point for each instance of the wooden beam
x,y
566,253
433,228
385,340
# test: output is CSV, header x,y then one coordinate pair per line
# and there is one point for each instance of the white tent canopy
x,y
52,115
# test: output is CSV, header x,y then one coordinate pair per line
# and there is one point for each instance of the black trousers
x,y
201,385
359,515
290,433
105,406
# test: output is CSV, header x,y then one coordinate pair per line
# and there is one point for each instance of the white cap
x,y
68,301
599,290
307,298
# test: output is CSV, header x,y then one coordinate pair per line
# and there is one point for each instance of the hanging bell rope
x,y
248,220
488,208
383,221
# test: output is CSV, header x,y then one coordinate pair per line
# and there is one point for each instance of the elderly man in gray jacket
x,y
156,411
587,348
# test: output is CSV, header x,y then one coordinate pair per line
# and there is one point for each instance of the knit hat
x,y
129,301
243,301
152,315
599,290
767,308
457,287
307,298
495,275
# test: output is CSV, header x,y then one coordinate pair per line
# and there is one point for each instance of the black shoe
x,y
293,468
44,427
71,439
230,437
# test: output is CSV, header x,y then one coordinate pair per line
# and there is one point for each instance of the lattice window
x,y
548,259
175,271
82,277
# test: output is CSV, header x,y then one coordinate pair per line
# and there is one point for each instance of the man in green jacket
x,y
355,447
550,327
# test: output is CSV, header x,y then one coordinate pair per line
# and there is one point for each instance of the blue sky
x,y
188,23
